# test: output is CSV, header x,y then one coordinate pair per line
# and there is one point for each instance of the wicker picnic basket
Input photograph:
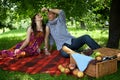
x,y
102,68
108,52
105,67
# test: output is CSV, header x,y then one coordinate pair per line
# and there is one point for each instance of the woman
x,y
34,39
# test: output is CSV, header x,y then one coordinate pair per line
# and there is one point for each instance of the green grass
x,y
10,38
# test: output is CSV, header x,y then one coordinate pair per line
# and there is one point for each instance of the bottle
x,y
109,57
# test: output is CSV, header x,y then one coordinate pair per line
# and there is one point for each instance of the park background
x,y
98,18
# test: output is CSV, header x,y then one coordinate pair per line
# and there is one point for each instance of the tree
x,y
78,9
114,28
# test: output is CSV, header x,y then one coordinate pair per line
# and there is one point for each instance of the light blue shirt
x,y
81,60
58,31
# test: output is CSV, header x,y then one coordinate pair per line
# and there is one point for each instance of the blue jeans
x,y
79,42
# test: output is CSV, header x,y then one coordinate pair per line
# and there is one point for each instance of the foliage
x,y
13,11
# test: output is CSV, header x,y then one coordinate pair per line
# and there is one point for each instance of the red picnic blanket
x,y
35,64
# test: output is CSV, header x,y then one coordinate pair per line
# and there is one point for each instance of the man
x,y
56,29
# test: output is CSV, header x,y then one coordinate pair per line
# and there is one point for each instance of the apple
x,y
75,72
80,74
98,58
97,53
60,66
67,70
71,66
62,69
118,55
23,53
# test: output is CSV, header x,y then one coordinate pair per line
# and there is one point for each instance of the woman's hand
x,y
16,51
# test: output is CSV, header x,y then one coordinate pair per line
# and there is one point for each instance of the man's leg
x,y
86,39
64,54
66,51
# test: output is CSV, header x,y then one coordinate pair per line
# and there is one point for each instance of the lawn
x,y
8,39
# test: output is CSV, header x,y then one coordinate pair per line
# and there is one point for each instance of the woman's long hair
x,y
34,25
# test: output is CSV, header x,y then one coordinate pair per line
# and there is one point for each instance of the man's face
x,y
51,16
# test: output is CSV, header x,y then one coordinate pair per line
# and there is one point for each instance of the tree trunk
x,y
82,25
114,28
3,29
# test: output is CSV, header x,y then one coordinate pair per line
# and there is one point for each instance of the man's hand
x,y
44,9
47,52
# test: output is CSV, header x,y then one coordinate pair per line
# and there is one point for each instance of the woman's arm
x,y
25,43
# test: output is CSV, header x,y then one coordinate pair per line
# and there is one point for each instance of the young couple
x,y
55,31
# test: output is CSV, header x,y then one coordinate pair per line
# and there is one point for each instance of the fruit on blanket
x,y
61,68
67,70
75,71
80,74
71,66
21,54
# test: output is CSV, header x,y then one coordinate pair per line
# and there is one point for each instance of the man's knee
x,y
86,37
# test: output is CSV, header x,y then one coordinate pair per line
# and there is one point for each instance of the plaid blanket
x,y
35,64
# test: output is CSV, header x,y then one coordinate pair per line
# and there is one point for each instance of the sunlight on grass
x,y
15,36
14,33
100,36
11,38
